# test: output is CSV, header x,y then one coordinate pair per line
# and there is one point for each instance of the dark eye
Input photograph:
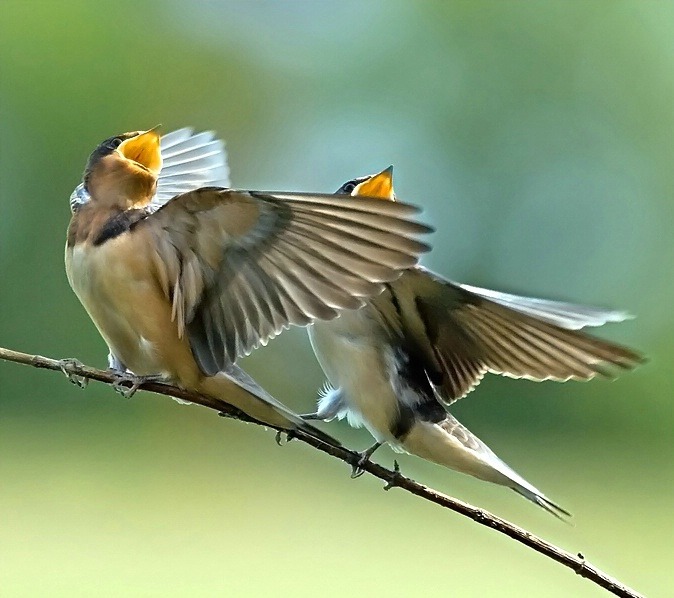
x,y
347,187
115,142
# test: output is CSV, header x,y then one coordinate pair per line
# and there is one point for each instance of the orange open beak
x,y
379,185
144,149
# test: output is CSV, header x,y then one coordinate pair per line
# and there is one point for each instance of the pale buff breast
x,y
114,283
354,354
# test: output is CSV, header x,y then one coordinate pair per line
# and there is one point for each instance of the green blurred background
x,y
539,138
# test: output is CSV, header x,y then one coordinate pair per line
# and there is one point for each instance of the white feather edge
x,y
189,161
571,316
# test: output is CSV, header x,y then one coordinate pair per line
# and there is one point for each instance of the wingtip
x,y
620,316
424,247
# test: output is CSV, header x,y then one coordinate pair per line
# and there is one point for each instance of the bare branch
x,y
393,479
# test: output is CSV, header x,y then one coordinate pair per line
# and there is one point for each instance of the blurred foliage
x,y
539,138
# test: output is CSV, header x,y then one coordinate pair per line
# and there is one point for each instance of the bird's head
x,y
378,185
123,170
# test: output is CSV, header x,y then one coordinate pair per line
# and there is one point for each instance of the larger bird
x,y
396,365
181,285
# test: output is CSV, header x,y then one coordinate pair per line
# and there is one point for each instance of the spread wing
x,y
461,334
240,266
189,161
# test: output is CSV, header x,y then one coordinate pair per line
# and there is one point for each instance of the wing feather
x,y
463,334
567,315
242,266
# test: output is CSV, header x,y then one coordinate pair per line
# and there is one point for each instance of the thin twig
x,y
393,479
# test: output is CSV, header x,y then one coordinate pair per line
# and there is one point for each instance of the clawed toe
x,y
290,434
357,469
76,379
364,456
126,383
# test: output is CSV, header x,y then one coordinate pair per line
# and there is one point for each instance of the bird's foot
x,y
290,434
310,416
364,456
395,478
126,383
66,364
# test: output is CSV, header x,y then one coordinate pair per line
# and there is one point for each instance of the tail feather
x,y
544,502
529,491
452,445
516,482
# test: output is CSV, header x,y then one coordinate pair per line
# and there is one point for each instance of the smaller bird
x,y
183,276
396,365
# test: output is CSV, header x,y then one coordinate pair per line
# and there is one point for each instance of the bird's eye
x,y
348,187
115,142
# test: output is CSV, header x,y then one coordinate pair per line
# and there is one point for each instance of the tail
x,y
452,445
536,496
236,388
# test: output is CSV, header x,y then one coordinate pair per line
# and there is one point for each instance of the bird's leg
x,y
66,364
127,383
308,416
357,469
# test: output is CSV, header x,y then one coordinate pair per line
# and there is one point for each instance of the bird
x,y
182,276
398,364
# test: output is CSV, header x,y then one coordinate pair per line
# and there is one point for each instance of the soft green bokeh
x,y
539,138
